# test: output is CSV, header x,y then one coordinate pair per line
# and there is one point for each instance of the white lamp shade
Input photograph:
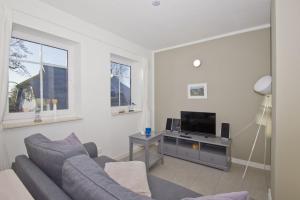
x,y
264,85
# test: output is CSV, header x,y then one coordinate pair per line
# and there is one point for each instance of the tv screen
x,y
198,122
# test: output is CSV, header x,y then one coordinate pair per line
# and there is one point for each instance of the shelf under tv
x,y
210,151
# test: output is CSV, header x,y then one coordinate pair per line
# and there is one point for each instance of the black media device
x,y
176,124
169,124
225,130
198,123
185,136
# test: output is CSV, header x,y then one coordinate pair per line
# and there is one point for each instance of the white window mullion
x,y
25,61
119,75
41,80
32,62
54,65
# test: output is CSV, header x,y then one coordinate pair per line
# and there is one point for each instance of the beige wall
x,y
286,70
230,67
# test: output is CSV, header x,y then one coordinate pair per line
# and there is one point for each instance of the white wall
x,y
285,178
109,132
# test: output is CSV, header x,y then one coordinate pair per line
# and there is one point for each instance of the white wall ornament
x,y
197,91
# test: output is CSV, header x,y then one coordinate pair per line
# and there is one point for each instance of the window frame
x,y
59,44
130,69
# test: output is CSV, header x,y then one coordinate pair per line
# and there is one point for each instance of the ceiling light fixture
x,y
197,63
155,2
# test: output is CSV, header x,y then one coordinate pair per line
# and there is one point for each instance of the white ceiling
x,y
173,22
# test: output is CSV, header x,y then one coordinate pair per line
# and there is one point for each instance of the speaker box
x,y
225,130
169,124
176,125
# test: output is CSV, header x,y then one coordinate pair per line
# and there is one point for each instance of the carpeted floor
x,y
206,180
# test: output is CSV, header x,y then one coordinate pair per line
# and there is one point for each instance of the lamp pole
x,y
256,137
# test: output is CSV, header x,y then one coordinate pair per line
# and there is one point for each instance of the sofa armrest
x,y
40,186
91,148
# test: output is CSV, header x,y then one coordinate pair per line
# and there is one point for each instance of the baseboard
x,y
269,194
251,164
136,148
124,155
234,160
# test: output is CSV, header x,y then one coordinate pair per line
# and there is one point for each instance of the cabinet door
x,y
170,149
213,158
188,153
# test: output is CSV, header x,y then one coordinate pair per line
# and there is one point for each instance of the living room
x,y
127,67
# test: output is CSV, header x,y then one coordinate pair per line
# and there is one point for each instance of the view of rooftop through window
x,y
38,77
120,84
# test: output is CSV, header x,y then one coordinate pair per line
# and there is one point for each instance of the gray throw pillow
x,y
49,155
84,179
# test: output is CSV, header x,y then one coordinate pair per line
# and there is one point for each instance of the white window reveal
x,y
43,78
38,77
126,84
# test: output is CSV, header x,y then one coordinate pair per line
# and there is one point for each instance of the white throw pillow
x,y
131,175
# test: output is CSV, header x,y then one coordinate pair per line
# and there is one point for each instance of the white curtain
x,y
5,35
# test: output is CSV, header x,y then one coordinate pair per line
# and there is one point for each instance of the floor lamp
x,y
264,87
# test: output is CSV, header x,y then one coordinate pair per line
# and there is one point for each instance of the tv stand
x,y
202,149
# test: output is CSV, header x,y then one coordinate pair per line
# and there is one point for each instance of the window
x,y
120,84
38,77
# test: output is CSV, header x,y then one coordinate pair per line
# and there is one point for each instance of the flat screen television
x,y
198,123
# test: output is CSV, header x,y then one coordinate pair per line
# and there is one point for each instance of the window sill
x,y
8,124
125,113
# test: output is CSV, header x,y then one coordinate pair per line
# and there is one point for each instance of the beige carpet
x,y
206,180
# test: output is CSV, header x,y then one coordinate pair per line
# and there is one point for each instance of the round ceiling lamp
x,y
197,63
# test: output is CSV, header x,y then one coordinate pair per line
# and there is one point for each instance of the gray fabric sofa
x,y
42,187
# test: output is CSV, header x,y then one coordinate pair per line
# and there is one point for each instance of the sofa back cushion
x,y
49,155
83,178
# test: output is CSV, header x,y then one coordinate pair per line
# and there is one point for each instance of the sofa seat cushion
x,y
165,190
49,155
83,178
244,195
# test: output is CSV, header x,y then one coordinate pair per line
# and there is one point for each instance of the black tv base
x,y
185,136
212,151
186,133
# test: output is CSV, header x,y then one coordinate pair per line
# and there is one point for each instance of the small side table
x,y
140,139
